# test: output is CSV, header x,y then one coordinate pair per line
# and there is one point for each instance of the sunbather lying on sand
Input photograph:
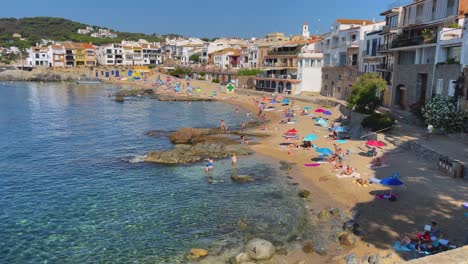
x,y
348,171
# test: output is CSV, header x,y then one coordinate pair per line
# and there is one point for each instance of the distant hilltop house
x,y
103,33
85,31
17,35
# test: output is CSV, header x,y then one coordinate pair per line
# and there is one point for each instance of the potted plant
x,y
426,34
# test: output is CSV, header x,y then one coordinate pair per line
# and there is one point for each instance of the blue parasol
x,y
327,112
308,107
285,101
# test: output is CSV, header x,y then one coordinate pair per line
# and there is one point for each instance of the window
x,y
300,63
453,53
451,88
368,47
392,21
338,89
339,77
326,76
451,9
37,56
350,74
439,87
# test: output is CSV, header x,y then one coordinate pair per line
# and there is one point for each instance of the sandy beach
x,y
427,195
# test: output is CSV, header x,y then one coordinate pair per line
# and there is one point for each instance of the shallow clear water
x,y
68,193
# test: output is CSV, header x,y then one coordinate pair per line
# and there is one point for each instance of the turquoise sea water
x,y
69,193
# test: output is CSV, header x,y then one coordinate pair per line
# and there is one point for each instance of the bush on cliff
x,y
377,121
181,72
249,72
365,96
442,113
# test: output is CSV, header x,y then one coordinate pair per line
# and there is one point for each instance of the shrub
x,y
216,81
377,121
181,72
248,72
365,96
442,113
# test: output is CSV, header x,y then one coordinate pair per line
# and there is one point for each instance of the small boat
x,y
88,81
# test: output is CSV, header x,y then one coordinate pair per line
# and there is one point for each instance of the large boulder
x,y
352,259
259,249
187,135
304,194
196,253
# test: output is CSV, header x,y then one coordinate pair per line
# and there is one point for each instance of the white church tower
x,y
305,30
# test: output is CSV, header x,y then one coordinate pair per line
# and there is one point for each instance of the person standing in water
x,y
209,166
222,126
234,159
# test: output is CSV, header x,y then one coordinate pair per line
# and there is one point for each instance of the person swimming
x,y
234,159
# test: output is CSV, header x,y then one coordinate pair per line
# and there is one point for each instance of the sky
x,y
202,18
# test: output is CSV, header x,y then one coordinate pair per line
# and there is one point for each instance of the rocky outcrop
x,y
45,75
304,194
188,135
184,153
259,249
134,92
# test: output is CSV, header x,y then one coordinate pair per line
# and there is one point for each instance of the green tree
x,y
365,96
195,57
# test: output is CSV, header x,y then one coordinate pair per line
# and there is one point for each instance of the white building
x,y
305,30
38,56
110,54
309,70
151,54
57,54
371,59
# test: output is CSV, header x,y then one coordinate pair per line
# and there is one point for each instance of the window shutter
x,y
451,90
440,83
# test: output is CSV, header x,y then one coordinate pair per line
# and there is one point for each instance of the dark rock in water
x,y
241,178
242,225
135,92
119,99
308,247
352,259
158,133
188,135
321,251
304,194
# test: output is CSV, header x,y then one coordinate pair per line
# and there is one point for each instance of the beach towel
x,y
292,122
370,166
386,196
353,175
269,109
312,164
374,180
400,247
341,141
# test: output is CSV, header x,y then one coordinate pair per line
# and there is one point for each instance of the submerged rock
x,y
196,253
308,247
352,259
324,214
242,225
241,178
239,258
119,99
259,249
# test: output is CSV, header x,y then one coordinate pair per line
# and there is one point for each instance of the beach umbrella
x,y
285,101
391,181
292,131
319,110
339,129
307,107
273,102
327,112
375,143
341,141
310,137
324,151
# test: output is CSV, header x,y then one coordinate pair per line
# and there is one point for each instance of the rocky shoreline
x,y
45,75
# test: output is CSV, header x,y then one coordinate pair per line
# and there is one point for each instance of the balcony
x,y
385,67
414,41
283,53
349,43
450,34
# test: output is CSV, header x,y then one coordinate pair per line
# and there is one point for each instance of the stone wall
x,y
407,76
337,82
446,72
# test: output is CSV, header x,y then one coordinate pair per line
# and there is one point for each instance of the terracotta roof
x,y
57,46
354,21
235,52
88,46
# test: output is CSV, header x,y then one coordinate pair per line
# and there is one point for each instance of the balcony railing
x,y
414,41
277,76
283,53
349,43
385,67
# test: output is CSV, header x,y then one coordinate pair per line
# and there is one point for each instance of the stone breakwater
x,y
45,75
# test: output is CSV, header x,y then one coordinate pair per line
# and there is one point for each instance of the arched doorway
x,y
288,87
400,96
280,87
273,85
